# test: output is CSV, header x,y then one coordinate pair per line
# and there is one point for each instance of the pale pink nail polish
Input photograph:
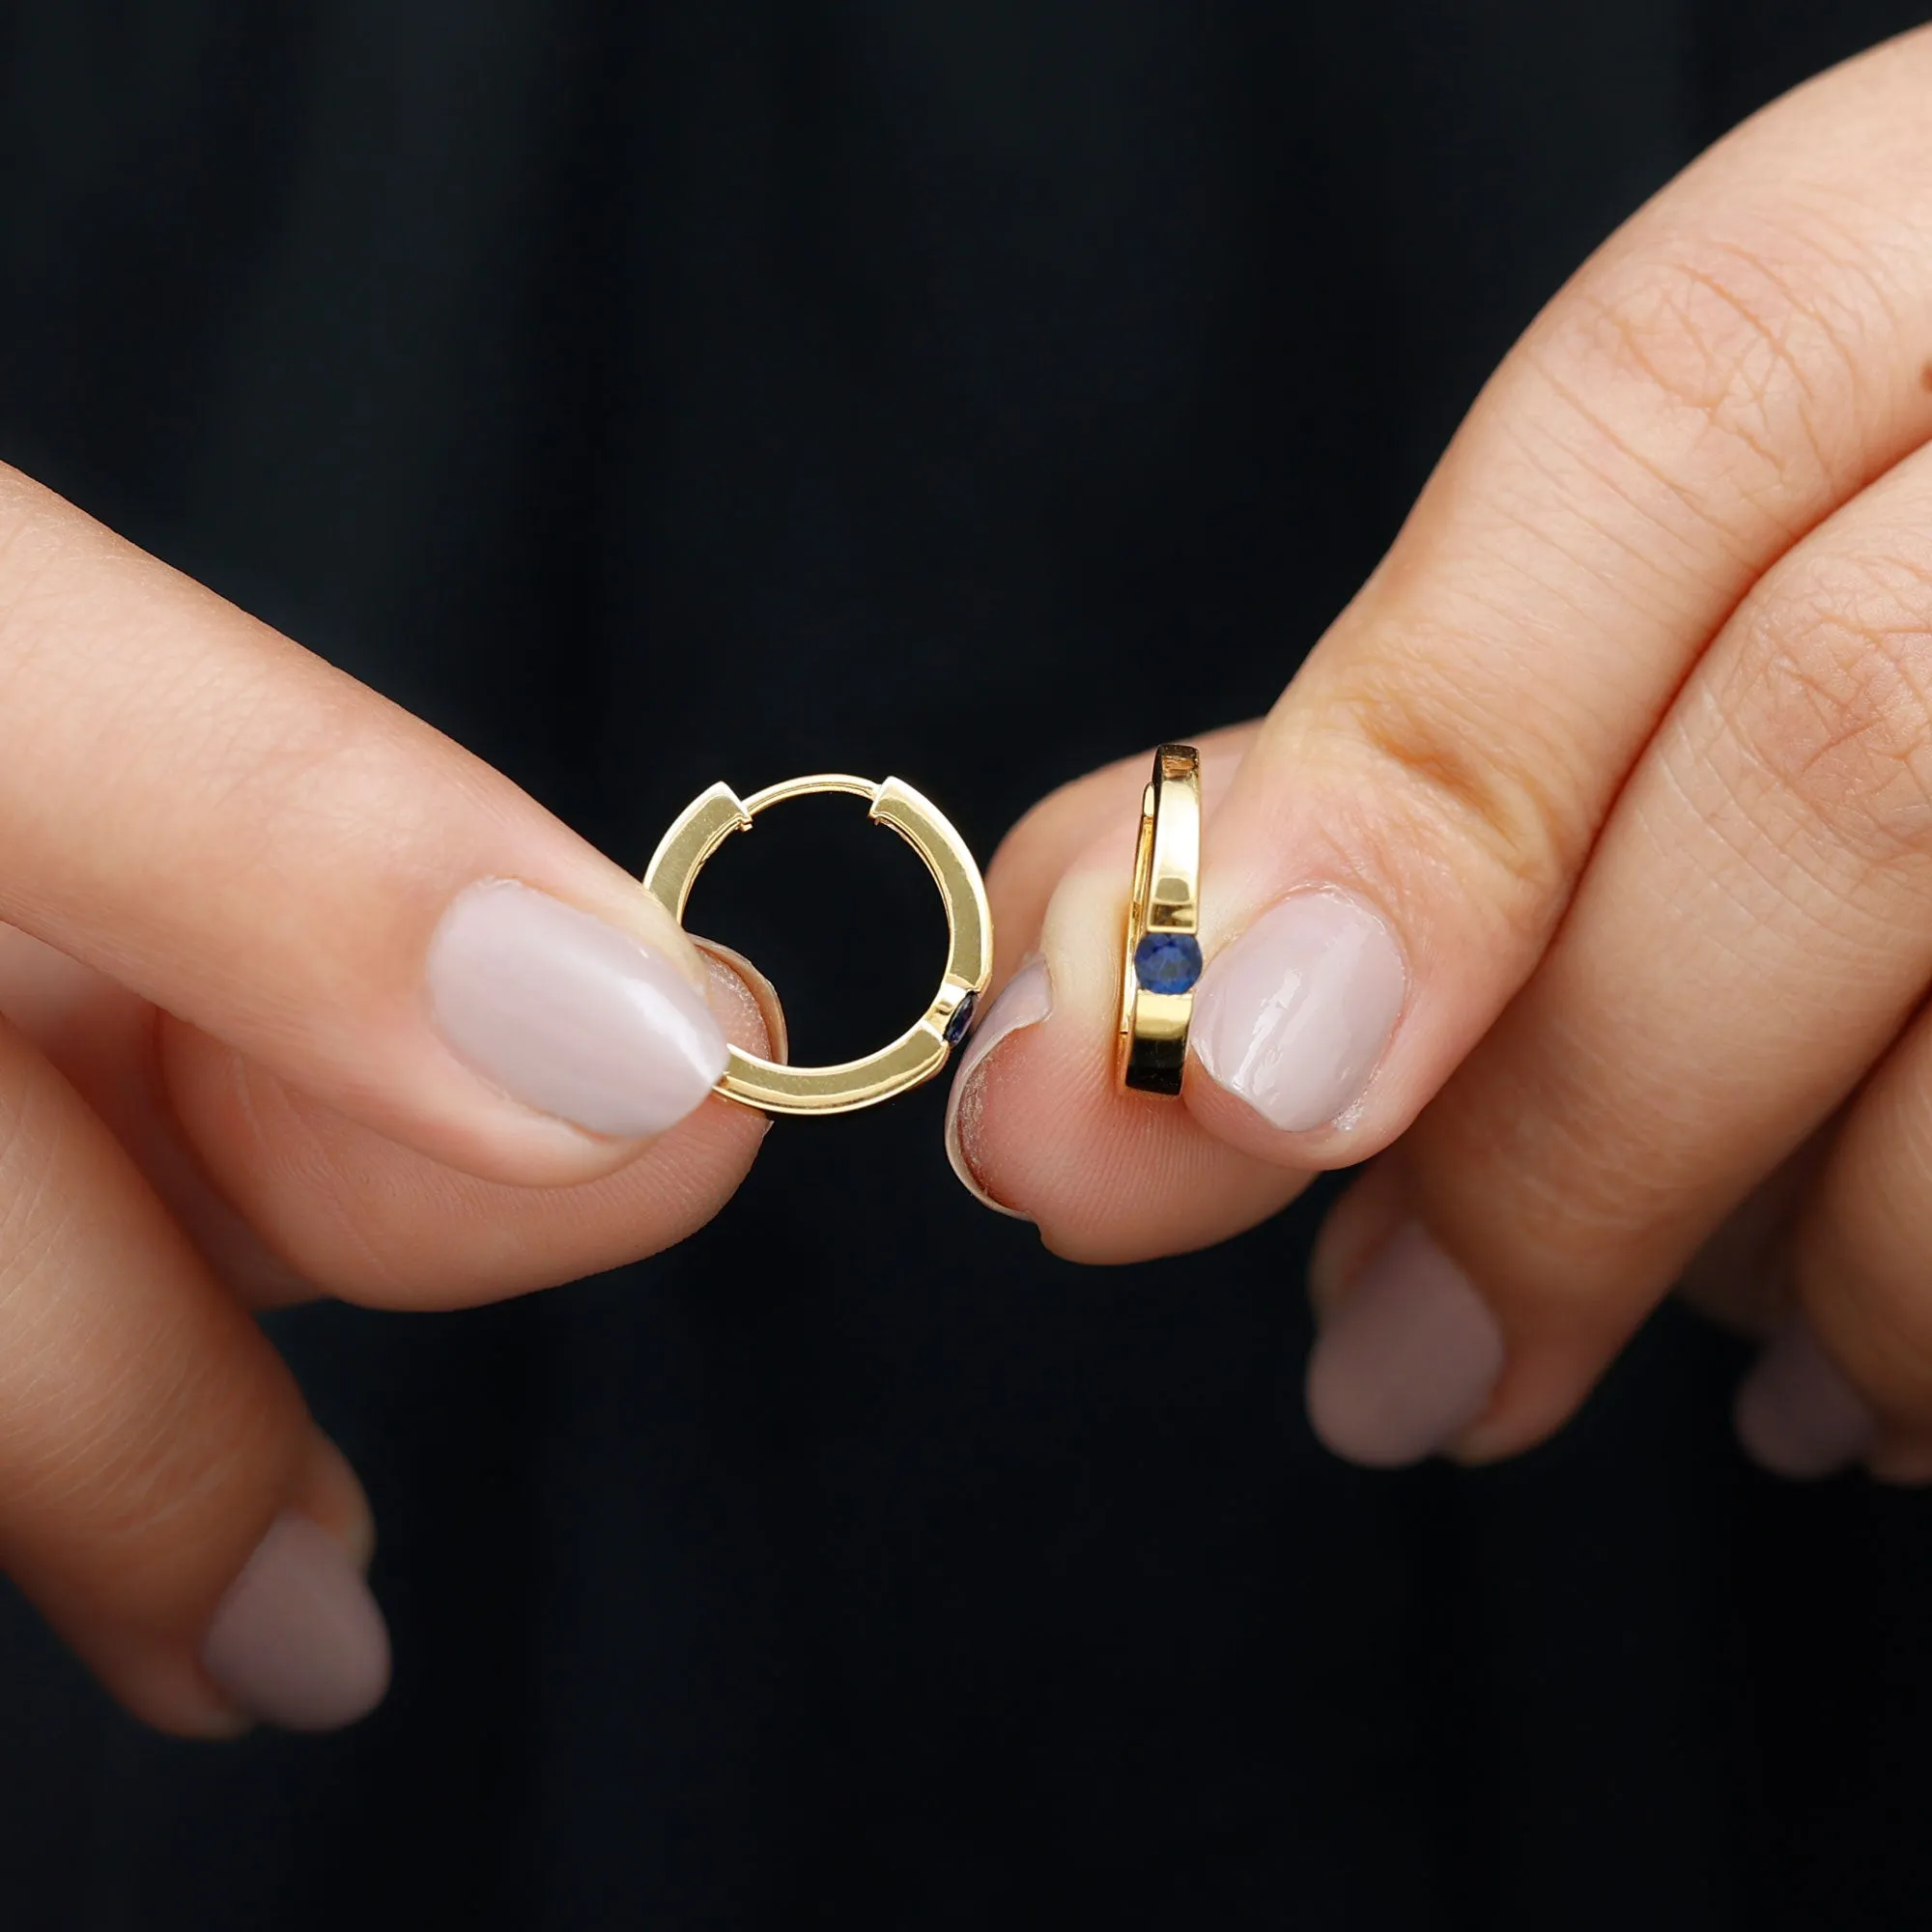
x,y
1796,1414
298,1640
569,1016
1407,1359
1026,999
1293,1015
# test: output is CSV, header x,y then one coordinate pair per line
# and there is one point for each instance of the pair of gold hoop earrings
x,y
1161,958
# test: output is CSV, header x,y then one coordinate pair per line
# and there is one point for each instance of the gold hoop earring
x,y
923,1048
1163,952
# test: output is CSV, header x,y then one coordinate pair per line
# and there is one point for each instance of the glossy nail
x,y
570,1015
1405,1360
298,1640
1293,1015
1026,999
1796,1414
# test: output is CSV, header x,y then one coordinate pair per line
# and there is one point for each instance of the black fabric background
x,y
656,393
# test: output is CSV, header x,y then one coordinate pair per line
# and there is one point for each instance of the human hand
x,y
296,997
1583,872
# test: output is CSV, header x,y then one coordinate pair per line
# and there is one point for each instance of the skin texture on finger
x,y
351,1215
1751,937
217,820
151,1440
1403,837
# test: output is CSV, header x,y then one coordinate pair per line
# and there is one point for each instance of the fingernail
x,y
1026,999
298,1640
1406,1360
1294,1014
570,1015
1796,1414
744,1000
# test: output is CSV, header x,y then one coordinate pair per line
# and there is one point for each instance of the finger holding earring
x,y
925,1047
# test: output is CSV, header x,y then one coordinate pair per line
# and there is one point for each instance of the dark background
x,y
658,393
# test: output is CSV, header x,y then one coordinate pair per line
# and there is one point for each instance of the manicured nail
x,y
1026,999
570,1015
1405,1361
1294,1014
298,1640
1796,1414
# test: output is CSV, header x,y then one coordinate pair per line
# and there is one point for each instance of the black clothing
x,y
650,394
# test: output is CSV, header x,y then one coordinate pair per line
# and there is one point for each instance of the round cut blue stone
x,y
1168,962
961,1022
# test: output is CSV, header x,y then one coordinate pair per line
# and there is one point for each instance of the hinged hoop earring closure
x,y
922,1049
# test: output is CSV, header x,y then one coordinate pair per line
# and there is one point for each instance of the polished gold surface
x,y
922,1049
1153,1047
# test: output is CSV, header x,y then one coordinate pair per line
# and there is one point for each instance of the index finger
x,y
268,849
1404,834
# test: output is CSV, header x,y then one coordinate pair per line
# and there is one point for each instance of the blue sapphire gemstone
x,y
961,1022
1168,962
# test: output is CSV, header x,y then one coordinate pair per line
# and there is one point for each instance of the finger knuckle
x,y
1830,703
1730,363
1499,810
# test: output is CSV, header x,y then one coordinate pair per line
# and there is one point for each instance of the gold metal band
x,y
922,1049
1164,951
